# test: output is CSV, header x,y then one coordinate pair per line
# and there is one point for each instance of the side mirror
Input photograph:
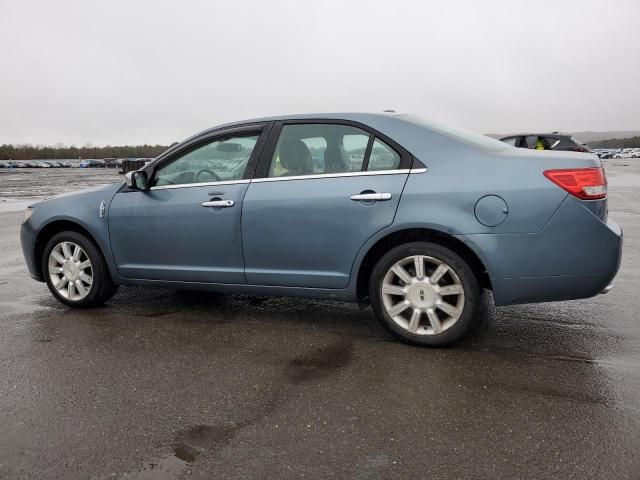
x,y
137,180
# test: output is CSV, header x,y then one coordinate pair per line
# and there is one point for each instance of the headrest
x,y
295,157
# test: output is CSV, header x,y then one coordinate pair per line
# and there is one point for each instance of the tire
x,y
424,292
92,283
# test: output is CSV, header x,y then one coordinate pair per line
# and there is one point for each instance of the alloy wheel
x,y
423,295
70,271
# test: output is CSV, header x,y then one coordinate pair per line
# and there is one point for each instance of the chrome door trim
x,y
375,197
330,175
203,184
418,170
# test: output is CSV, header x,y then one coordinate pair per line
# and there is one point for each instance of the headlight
x,y
27,214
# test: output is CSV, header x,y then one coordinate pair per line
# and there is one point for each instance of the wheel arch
x,y
53,228
399,237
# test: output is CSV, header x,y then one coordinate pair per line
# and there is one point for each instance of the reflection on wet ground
x,y
164,384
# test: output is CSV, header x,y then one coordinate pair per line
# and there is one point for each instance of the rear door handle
x,y
218,203
371,197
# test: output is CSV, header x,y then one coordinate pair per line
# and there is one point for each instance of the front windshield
x,y
471,138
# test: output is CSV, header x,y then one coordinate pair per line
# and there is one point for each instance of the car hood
x,y
107,190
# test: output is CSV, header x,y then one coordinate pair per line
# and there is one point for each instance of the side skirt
x,y
348,294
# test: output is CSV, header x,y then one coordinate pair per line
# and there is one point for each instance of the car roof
x,y
526,134
362,117
407,129
420,137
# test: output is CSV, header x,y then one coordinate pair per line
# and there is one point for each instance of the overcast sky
x,y
156,71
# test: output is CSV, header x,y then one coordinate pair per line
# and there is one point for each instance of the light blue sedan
x,y
412,217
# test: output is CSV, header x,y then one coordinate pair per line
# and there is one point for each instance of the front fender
x,y
79,208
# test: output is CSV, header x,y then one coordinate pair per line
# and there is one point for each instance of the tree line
x,y
60,152
63,152
632,142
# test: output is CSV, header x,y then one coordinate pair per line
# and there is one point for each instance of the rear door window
x,y
320,149
312,149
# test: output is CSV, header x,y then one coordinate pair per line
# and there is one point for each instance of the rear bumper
x,y
576,255
511,291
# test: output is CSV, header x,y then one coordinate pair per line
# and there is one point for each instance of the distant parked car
x,y
383,219
550,141
92,164
110,162
626,154
605,154
131,164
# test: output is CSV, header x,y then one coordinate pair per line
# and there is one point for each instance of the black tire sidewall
x,y
459,266
102,286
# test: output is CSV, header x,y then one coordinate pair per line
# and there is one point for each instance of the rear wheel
x,y
424,294
76,272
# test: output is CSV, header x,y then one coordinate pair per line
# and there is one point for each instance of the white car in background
x,y
627,154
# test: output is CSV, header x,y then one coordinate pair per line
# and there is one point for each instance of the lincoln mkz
x,y
412,217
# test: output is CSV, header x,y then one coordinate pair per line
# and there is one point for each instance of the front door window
x,y
220,160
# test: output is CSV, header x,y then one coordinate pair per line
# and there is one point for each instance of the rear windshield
x,y
471,138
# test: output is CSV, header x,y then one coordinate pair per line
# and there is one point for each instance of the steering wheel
x,y
214,175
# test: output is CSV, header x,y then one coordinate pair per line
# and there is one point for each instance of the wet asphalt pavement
x,y
165,384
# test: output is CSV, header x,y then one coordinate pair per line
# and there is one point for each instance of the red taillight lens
x,y
584,183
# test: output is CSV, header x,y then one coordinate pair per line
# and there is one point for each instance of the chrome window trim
x,y
330,175
202,184
293,177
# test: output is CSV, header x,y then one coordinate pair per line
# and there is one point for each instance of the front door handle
x,y
371,197
218,203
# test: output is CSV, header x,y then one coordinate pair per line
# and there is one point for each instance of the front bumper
x,y
28,243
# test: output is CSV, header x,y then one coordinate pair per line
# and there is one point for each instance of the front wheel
x,y
424,294
76,272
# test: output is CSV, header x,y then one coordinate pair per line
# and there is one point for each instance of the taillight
x,y
584,183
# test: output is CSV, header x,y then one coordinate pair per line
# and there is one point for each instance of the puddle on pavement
x,y
320,363
189,446
163,468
